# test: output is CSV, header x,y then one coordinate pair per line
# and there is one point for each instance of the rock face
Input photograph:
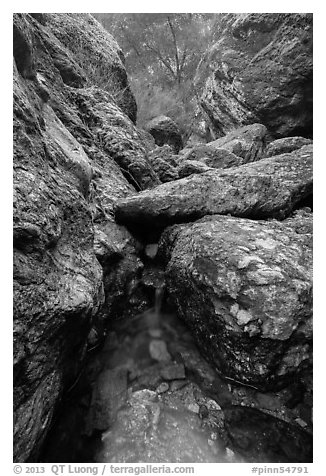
x,y
260,70
165,131
249,309
76,152
271,187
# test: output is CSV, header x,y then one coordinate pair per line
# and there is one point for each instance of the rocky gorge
x,y
162,292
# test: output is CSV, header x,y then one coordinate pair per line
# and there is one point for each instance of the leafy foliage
x,y
162,53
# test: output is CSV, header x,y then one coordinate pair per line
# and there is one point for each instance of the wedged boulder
x,y
284,145
245,289
247,142
165,131
271,187
251,74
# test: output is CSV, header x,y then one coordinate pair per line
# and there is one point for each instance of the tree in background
x,y
162,52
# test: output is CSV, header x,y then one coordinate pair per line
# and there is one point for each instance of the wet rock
x,y
252,75
285,145
173,372
268,188
202,373
149,378
65,185
158,351
262,438
58,281
150,431
193,407
109,394
250,311
165,131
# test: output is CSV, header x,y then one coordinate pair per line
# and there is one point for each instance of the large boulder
x,y
165,131
260,70
284,145
163,162
76,152
247,143
271,187
245,289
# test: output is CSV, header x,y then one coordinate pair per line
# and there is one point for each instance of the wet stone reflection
x,y
149,396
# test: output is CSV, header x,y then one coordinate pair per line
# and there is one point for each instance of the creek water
x,y
148,395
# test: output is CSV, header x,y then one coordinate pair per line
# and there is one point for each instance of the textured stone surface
x,y
70,139
247,143
250,309
109,394
189,167
213,157
165,131
260,70
268,188
284,145
260,438
163,163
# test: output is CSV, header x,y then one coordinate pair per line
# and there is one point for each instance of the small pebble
x,y
193,407
300,422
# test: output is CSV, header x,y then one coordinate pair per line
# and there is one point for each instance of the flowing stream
x,y
148,395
